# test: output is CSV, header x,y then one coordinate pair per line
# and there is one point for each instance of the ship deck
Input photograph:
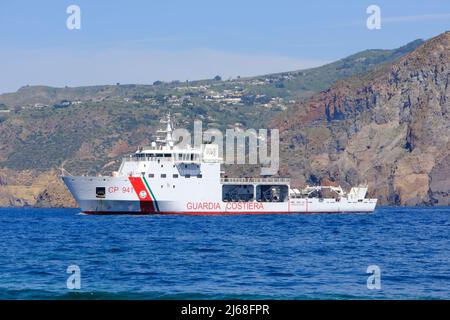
x,y
284,181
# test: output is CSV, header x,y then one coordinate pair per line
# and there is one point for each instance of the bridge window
x,y
187,176
175,175
151,175
163,175
199,176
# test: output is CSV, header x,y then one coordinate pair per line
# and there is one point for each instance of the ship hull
x,y
137,195
135,207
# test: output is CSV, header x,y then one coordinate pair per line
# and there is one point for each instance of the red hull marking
x,y
145,201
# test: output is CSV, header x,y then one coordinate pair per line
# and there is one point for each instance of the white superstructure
x,y
165,178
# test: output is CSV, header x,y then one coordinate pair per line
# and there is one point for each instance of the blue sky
x,y
143,41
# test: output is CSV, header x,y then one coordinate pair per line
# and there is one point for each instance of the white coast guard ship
x,y
166,179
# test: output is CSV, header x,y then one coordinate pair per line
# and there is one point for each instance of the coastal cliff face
x,y
389,128
30,188
386,126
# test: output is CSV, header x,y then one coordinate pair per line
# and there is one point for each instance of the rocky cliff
x,y
30,188
389,128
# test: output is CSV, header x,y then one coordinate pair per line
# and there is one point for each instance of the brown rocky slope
x,y
389,128
31,188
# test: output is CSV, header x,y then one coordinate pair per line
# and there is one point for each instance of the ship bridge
x,y
164,149
164,158
206,153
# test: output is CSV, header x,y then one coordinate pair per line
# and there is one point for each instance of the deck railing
x,y
156,159
255,180
153,159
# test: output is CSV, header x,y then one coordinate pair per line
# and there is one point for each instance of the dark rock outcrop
x,y
389,128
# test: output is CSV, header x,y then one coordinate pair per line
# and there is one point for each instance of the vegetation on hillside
x,y
88,129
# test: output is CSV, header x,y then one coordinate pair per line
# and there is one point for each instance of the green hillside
x,y
89,128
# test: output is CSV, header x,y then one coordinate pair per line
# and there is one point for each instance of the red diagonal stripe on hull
x,y
146,203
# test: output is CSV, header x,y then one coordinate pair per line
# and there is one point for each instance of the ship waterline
x,y
166,179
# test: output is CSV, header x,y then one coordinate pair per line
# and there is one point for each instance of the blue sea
x,y
321,256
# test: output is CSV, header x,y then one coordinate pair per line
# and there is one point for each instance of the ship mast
x,y
168,140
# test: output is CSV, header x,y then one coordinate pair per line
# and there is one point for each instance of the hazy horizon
x,y
137,42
